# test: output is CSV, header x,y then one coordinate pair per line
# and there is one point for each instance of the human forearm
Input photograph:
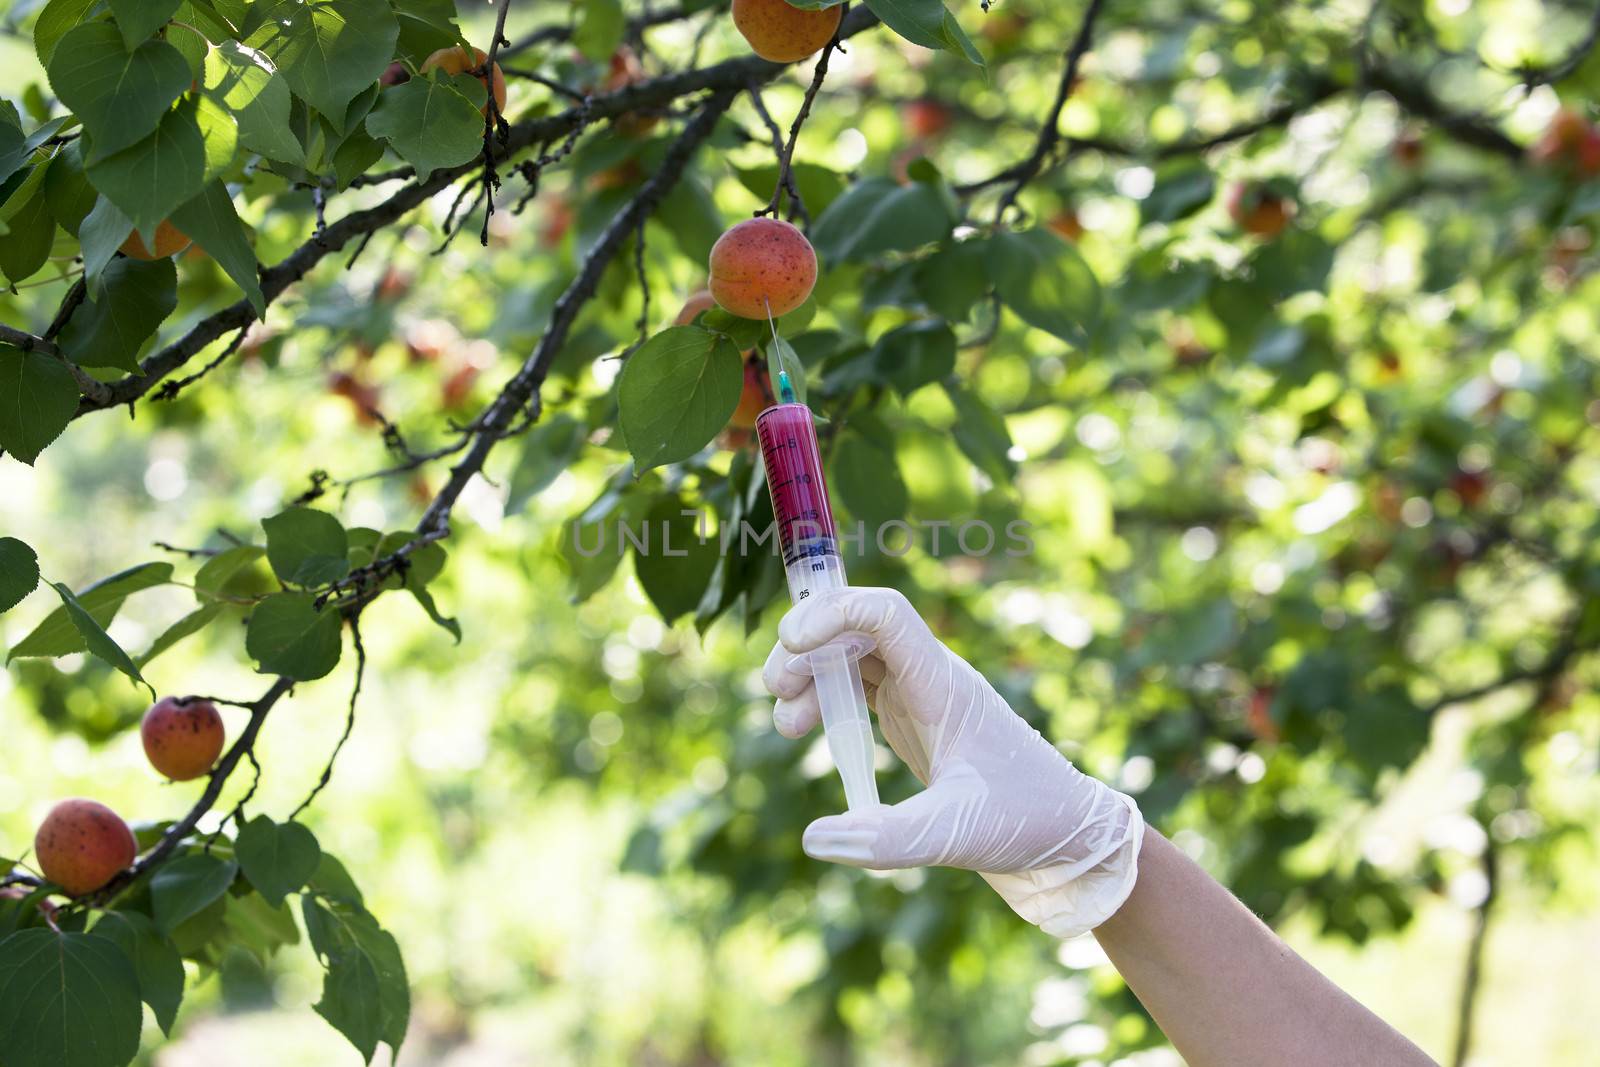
x,y
1224,988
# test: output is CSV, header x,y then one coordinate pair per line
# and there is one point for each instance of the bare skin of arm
x,y
1224,988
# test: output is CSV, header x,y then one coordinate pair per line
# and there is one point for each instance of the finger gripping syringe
x,y
810,546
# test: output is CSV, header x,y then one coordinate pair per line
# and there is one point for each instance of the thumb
x,y
925,830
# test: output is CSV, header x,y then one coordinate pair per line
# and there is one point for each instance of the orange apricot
x,y
781,33
82,844
762,267
182,736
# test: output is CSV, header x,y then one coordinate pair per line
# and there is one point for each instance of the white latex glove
x,y
1059,846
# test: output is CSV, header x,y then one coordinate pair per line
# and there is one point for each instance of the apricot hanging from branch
x,y
761,267
781,33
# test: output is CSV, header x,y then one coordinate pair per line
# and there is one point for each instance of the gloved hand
x,y
1059,846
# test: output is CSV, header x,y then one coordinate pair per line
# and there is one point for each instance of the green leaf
x,y
100,235
592,568
259,927
67,1000
355,156
926,23
364,993
332,880
19,575
108,330
425,27
18,148
20,193
30,228
674,566
213,576
691,215
432,122
211,222
138,19
868,481
187,626
981,433
307,547
599,29
99,643
549,448
278,858
878,215
67,189
182,887
53,22
675,392
58,636
156,963
952,280
119,93
819,186
915,354
37,400
245,81
328,51
782,357
194,143
1046,282
287,636
1179,191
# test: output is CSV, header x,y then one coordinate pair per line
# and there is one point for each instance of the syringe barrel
x,y
811,561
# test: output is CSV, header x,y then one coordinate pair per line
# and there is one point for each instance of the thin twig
x,y
1050,129
169,390
786,180
549,83
786,157
495,127
349,720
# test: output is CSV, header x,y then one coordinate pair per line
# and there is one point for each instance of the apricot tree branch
x,y
786,182
730,75
786,179
1050,129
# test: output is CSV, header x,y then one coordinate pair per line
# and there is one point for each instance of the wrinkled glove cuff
x,y
1071,898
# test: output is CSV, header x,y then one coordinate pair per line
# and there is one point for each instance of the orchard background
x,y
1276,321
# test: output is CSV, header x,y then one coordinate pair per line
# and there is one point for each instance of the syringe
x,y
810,546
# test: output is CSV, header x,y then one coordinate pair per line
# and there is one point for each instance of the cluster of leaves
x,y
72,979
293,621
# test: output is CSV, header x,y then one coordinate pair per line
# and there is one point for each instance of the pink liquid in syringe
x,y
794,477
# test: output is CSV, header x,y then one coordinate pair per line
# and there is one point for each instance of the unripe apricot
x,y
82,844
457,61
169,241
781,33
762,267
182,737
